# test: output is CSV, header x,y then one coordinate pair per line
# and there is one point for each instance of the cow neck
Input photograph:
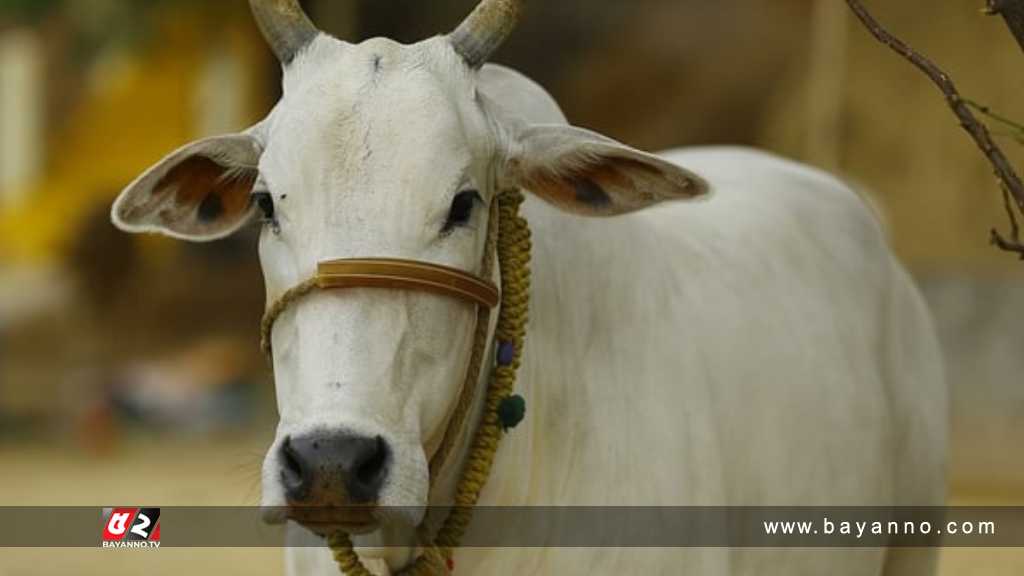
x,y
512,248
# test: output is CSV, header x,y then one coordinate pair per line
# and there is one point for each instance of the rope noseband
x,y
508,238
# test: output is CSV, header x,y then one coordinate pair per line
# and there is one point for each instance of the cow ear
x,y
585,173
200,192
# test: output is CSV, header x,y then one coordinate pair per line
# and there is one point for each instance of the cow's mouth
x,y
325,521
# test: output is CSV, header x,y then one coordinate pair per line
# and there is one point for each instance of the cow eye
x,y
265,202
462,209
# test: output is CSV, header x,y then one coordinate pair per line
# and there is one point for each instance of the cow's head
x,y
378,149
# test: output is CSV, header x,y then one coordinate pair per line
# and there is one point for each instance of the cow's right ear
x,y
585,173
201,192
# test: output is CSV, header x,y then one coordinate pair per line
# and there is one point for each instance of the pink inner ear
x,y
603,188
215,192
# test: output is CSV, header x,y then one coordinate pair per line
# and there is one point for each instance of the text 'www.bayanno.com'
x,y
860,529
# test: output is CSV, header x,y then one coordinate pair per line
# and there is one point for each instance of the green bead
x,y
511,412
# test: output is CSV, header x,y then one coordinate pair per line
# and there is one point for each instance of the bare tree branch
x,y
1008,178
1015,127
998,240
1012,12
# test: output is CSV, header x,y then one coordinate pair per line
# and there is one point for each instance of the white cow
x,y
757,346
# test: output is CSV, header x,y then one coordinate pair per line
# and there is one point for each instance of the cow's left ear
x,y
586,173
201,192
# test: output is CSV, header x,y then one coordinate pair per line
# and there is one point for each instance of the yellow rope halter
x,y
510,241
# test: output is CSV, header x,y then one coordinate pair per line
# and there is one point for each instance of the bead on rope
x,y
506,353
511,412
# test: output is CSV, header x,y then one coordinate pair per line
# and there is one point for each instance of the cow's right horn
x,y
480,35
285,26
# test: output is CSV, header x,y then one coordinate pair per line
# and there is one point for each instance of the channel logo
x,y
131,528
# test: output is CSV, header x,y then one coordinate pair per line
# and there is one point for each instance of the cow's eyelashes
x,y
461,211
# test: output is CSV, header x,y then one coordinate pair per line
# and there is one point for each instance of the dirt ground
x,y
219,472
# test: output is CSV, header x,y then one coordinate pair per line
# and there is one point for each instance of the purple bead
x,y
506,353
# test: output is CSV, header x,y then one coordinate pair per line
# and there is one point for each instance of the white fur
x,y
762,347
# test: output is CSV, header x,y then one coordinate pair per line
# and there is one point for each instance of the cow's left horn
x,y
285,26
485,29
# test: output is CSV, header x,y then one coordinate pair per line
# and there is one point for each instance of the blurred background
x,y
129,369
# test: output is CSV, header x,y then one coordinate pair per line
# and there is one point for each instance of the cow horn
x,y
480,35
285,26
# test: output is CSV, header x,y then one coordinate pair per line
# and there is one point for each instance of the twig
x,y
1012,12
997,239
1014,227
1014,131
989,113
1008,178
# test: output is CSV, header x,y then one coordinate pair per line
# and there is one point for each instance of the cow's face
x,y
377,150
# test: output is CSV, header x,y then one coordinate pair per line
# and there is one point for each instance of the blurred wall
x,y
21,113
796,76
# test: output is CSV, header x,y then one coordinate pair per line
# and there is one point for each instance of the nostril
x,y
292,470
371,471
